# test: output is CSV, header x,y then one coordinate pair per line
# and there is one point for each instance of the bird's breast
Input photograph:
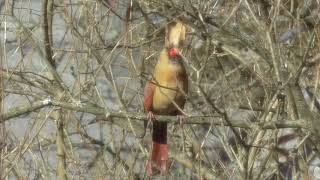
x,y
169,89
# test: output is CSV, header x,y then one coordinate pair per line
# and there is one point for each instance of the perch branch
x,y
113,115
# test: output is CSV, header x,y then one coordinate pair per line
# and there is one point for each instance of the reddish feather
x,y
148,96
159,155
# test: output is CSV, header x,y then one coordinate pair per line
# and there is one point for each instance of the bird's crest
x,y
175,34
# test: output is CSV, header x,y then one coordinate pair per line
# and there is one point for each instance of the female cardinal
x,y
164,95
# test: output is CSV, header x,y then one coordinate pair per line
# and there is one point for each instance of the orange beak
x,y
174,53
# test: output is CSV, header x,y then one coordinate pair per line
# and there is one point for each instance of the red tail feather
x,y
159,155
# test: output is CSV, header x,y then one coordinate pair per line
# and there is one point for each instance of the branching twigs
x,y
62,90
230,56
185,161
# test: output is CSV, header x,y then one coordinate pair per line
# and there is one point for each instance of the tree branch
x,y
111,116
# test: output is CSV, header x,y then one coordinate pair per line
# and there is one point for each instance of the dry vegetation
x,y
73,72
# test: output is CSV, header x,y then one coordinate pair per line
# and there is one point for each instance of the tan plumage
x,y
173,84
165,95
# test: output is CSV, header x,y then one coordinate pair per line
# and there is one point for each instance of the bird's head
x,y
174,53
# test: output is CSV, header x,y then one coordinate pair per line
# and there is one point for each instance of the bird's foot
x,y
181,119
150,116
150,119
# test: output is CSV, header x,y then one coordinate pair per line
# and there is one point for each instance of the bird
x,y
164,95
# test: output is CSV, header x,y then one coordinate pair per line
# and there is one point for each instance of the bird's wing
x,y
148,96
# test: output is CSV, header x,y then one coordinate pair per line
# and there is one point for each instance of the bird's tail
x,y
159,155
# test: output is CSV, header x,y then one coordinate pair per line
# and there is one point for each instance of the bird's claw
x,y
151,118
181,119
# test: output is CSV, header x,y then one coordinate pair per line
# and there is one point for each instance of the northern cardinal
x,y
165,95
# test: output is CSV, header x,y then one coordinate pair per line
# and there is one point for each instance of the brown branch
x,y
2,126
47,27
112,116
61,91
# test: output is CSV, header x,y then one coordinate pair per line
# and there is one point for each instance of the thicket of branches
x,y
73,73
